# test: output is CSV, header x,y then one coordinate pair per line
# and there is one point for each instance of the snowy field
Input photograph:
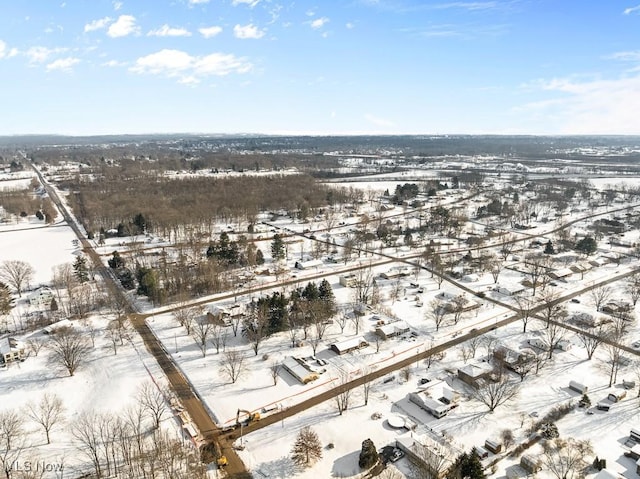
x,y
42,246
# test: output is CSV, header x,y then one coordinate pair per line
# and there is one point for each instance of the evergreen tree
x,y
307,448
126,278
259,257
467,466
277,248
368,455
54,305
310,292
587,245
5,299
80,269
140,222
116,261
549,249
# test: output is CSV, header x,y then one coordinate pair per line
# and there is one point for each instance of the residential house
x,y
299,369
349,345
11,350
473,374
392,329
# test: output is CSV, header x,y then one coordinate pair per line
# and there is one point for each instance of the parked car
x,y
397,455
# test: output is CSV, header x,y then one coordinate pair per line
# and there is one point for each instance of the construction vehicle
x,y
251,417
222,461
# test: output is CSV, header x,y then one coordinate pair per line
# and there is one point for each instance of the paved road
x,y
180,385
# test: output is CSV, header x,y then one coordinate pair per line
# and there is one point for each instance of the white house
x,y
510,289
11,350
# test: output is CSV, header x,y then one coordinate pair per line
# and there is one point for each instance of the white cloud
x,y
319,23
208,32
117,6
42,54
167,31
187,68
468,5
63,64
628,11
197,2
250,3
590,106
3,49
629,56
378,121
123,26
97,24
350,25
247,31
114,63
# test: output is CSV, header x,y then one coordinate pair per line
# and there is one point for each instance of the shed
x,y
349,280
617,395
530,464
578,387
493,446
313,263
349,345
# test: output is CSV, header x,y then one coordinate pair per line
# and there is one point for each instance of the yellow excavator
x,y
222,461
251,417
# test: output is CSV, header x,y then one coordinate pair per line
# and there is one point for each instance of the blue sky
x,y
327,67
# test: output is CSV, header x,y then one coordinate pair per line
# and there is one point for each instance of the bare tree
x,y
342,319
495,393
363,285
35,345
233,365
307,447
495,267
69,349
368,381
48,412
186,316
219,337
435,312
154,401
552,335
10,428
275,372
633,288
565,458
600,296
536,266
591,341
17,274
552,309
429,461
254,327
85,431
201,333
525,304
524,365
343,397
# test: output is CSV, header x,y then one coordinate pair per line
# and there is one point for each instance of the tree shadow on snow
x,y
346,466
280,468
